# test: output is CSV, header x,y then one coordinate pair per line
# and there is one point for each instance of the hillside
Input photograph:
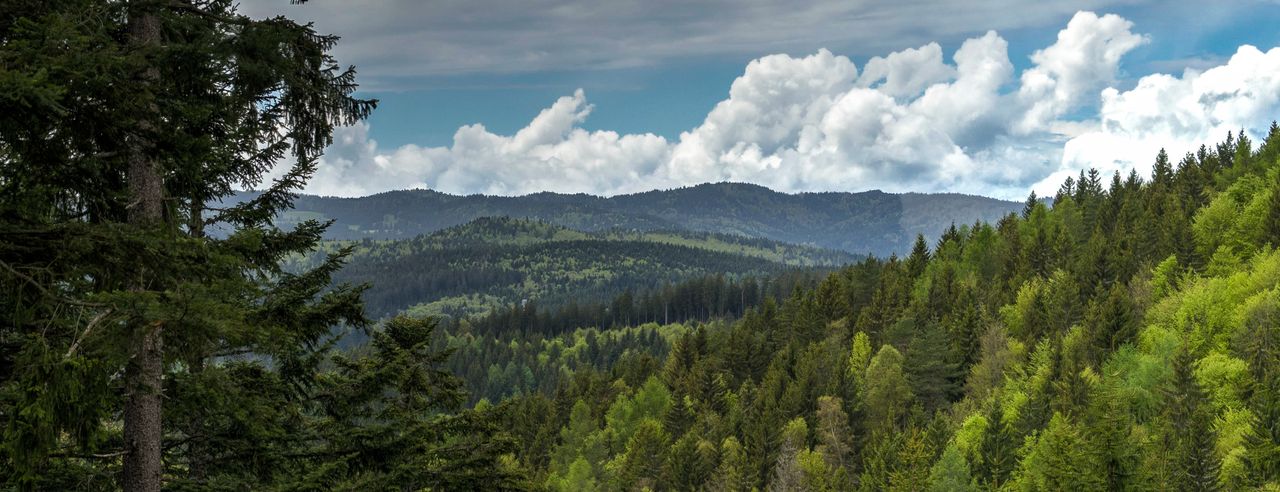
x,y
868,222
1127,338
470,268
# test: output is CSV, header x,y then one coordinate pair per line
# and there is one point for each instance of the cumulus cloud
x,y
1176,113
906,73
550,154
908,121
1084,59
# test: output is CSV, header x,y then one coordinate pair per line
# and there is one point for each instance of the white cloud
x,y
1085,58
550,154
908,72
1176,113
910,121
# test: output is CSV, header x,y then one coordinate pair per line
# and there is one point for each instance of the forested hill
x,y
1128,338
492,262
868,222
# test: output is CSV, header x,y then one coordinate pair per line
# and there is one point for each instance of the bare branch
x,y
87,331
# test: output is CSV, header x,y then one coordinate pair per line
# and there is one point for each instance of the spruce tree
x,y
1271,223
1162,170
734,471
919,257
149,301
1194,458
997,450
933,368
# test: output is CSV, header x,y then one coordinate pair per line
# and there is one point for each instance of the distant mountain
x,y
867,222
487,262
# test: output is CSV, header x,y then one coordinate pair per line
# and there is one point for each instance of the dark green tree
x,y
997,450
1194,458
919,257
127,123
387,414
172,346
933,368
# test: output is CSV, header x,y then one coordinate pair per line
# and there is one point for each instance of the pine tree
x,y
1066,190
1110,320
155,113
576,438
1109,428
1030,205
1194,458
686,466
642,461
1259,345
932,368
1061,459
996,450
1162,171
678,416
390,410
1272,221
911,465
579,478
1269,152
734,472
919,257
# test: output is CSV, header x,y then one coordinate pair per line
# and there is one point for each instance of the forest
x,y
1126,338
160,329
869,222
493,261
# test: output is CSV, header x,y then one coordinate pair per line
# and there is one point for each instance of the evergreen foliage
x,y
1121,339
159,329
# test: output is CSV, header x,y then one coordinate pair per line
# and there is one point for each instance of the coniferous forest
x,y
1123,335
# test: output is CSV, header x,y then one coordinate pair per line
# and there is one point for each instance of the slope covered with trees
x,y
469,269
1128,338
869,222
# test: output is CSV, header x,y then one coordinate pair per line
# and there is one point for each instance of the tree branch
x,y
46,291
87,330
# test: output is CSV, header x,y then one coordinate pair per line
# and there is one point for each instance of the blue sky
x,y
661,67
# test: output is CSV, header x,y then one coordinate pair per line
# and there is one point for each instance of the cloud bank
x,y
908,121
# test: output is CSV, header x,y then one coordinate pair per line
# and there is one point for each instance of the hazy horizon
x,y
653,190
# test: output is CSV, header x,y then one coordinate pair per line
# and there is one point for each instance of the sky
x,y
987,97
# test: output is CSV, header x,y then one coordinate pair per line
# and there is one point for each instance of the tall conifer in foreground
x,y
150,336
130,121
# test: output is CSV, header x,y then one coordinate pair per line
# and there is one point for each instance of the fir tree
x,y
1030,205
1194,459
734,472
120,161
1162,170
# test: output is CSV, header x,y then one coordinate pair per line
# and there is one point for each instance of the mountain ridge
x,y
867,222
495,261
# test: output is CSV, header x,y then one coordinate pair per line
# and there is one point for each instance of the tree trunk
x,y
145,369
